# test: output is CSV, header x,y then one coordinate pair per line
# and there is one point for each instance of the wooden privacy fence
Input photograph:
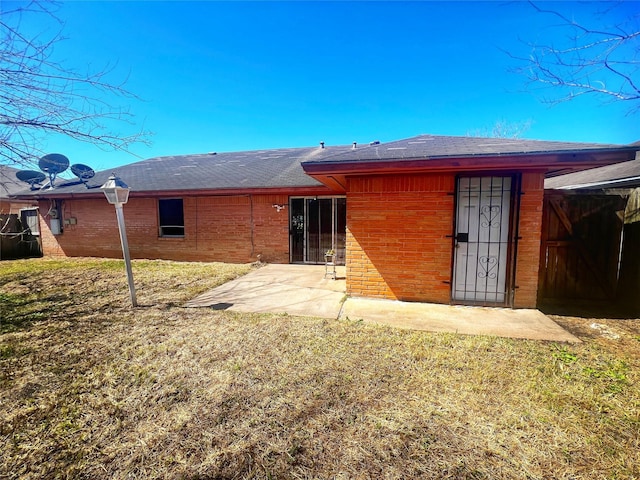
x,y
581,247
16,239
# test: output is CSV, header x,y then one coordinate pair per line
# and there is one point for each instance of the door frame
x,y
512,238
305,247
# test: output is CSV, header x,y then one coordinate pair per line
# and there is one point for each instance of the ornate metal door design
x,y
481,239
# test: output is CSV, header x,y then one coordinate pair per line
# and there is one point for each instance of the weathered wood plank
x,y
580,247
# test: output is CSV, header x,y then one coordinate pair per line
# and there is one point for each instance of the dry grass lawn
x,y
90,388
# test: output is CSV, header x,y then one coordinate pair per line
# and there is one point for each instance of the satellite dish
x,y
83,172
31,177
53,164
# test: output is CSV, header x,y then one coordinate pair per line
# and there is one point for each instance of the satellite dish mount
x,y
83,172
31,177
53,164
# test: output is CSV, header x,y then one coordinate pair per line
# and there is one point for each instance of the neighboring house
x,y
617,176
590,237
19,224
429,218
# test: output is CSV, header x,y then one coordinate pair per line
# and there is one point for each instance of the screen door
x,y
481,239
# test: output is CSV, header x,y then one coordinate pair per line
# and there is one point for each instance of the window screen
x,y
171,216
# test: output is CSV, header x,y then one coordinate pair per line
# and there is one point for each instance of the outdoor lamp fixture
x,y
117,193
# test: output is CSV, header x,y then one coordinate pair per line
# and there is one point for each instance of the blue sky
x,y
226,76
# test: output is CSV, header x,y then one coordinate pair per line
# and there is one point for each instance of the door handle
x,y
462,238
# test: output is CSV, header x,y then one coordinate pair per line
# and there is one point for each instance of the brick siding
x,y
234,229
530,231
399,243
14,206
399,230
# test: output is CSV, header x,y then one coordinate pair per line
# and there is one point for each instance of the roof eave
x,y
307,190
331,172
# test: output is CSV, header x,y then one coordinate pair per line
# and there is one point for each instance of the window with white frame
x,y
29,218
171,217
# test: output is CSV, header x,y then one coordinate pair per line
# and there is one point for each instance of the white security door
x,y
482,239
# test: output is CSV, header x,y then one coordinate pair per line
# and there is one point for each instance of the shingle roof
x,y
276,168
252,169
282,168
436,146
9,184
618,174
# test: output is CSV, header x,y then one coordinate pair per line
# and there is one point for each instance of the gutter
x,y
604,184
53,195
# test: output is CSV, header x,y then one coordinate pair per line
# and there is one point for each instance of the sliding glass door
x,y
317,225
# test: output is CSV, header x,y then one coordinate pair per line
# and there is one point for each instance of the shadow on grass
x,y
19,312
590,309
12,315
221,306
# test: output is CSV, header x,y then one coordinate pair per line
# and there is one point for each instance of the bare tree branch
x,y
502,129
40,96
602,61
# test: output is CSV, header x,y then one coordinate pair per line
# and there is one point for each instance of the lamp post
x,y
117,193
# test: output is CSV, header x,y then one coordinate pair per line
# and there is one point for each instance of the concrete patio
x,y
303,290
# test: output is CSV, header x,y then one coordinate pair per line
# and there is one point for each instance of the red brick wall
x,y
5,206
397,245
398,234
271,228
216,229
530,231
398,237
14,206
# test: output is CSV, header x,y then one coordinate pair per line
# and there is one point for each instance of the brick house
x,y
430,218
